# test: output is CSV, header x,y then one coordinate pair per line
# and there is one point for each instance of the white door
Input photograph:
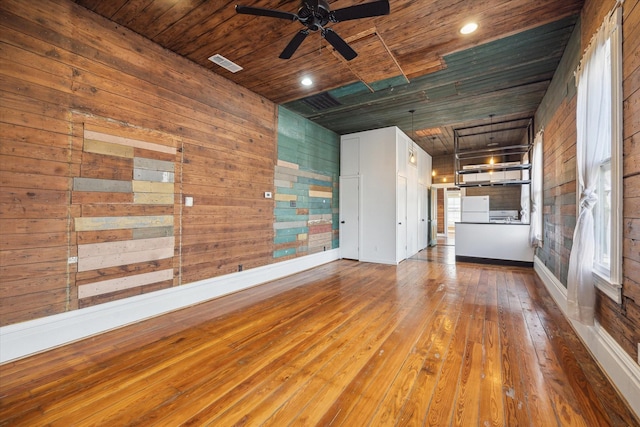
x,y
423,217
401,232
349,217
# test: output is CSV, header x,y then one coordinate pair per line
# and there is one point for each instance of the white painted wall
x,y
383,156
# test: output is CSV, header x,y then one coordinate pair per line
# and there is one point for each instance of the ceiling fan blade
x,y
339,44
365,10
293,45
259,11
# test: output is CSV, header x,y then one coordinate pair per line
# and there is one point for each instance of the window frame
x,y
609,281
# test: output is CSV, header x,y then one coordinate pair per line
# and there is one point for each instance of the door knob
x,y
341,222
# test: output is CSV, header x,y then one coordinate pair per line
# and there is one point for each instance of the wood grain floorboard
x,y
429,342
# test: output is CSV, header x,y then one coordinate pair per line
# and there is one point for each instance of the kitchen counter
x,y
504,243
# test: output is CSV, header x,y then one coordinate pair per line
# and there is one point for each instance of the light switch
x,y
188,201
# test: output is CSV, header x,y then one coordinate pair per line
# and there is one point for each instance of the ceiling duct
x,y
321,101
225,63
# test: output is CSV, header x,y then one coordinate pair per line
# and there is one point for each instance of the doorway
x,y
449,213
453,212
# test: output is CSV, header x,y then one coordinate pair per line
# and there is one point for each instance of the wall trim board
x,y
34,336
621,369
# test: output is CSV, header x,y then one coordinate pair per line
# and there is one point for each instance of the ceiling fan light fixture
x,y
469,28
306,81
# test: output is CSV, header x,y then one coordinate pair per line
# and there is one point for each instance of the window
x,y
537,166
596,255
602,223
607,262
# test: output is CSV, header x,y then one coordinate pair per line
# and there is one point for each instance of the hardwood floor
x,y
428,342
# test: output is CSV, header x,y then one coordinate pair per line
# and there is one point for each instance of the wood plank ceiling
x,y
412,59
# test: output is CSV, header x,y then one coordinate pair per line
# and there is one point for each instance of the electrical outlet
x,y
267,194
239,267
72,260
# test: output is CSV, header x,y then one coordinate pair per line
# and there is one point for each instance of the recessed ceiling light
x,y
469,28
306,81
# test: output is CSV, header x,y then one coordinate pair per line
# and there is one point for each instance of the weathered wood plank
x,y
113,285
123,209
129,142
107,148
90,276
151,175
106,167
125,293
101,185
152,164
111,248
88,237
153,198
102,255
114,223
91,197
153,187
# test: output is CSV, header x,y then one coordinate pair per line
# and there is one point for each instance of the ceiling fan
x,y
315,14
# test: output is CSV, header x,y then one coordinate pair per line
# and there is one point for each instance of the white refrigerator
x,y
475,209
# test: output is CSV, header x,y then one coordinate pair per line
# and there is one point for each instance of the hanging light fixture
x,y
412,156
491,161
433,150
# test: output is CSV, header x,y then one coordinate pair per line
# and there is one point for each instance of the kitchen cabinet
x,y
494,242
391,193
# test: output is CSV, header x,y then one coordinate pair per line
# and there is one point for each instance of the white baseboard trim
x,y
34,336
621,369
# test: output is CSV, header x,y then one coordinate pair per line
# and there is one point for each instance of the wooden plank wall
x,y
64,66
557,116
441,224
443,166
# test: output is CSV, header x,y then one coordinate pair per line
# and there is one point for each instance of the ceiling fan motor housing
x,y
314,14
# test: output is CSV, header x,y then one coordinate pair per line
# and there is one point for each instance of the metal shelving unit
x,y
517,150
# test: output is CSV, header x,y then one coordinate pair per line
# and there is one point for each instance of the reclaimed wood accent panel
x,y
61,62
304,218
306,187
140,258
417,344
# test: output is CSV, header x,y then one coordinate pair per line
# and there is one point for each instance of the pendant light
x,y
433,150
491,161
412,156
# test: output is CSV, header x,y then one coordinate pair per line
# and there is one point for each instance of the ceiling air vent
x,y
225,63
321,101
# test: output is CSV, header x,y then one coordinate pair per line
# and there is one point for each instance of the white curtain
x,y
593,120
535,228
525,196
